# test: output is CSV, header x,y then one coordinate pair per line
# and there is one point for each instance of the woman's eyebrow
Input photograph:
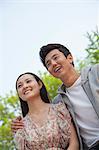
x,y
19,82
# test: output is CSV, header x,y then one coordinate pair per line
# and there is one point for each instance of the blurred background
x,y
25,26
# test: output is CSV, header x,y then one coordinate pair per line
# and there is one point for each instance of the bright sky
x,y
26,25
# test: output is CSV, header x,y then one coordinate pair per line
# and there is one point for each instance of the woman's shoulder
x,y
61,111
60,107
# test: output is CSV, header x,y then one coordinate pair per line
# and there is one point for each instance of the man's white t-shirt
x,y
86,116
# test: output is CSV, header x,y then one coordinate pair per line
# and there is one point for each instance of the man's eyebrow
x,y
54,55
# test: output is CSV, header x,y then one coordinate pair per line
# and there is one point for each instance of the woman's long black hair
x,y
43,94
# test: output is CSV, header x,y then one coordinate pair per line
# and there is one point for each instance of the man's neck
x,y
70,80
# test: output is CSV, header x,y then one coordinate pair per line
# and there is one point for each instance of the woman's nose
x,y
25,85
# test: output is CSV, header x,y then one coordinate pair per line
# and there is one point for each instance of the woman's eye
x,y
28,81
19,86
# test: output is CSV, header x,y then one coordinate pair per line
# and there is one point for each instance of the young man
x,y
80,92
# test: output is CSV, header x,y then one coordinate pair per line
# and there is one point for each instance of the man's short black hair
x,y
44,50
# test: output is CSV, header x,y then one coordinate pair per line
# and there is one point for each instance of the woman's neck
x,y
36,105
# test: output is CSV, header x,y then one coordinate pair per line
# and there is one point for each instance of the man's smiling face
x,y
57,64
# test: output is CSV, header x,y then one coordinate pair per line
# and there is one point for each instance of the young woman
x,y
46,126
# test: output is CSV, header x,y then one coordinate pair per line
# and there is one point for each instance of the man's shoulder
x,y
57,99
94,73
95,67
91,69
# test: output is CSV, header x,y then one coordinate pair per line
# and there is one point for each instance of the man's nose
x,y
53,62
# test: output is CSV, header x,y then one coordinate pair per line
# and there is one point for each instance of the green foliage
x,y
9,107
51,84
93,47
92,50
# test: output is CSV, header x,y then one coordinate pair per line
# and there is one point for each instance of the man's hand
x,y
16,124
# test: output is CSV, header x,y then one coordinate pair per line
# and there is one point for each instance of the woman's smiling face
x,y
28,87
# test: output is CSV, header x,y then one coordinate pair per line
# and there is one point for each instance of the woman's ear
x,y
40,84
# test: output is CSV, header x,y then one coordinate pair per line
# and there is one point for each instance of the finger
x,y
17,125
19,118
15,128
15,121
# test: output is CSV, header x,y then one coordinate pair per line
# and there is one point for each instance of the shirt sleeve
x,y
19,139
63,121
63,112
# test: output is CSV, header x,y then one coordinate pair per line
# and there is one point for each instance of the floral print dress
x,y
54,134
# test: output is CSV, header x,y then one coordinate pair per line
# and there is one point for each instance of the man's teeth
x,y
57,69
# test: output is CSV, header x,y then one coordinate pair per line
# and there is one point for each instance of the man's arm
x,y
16,124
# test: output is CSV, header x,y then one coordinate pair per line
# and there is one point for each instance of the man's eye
x,y
55,57
47,65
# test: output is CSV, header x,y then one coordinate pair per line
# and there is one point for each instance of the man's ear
x,y
70,58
